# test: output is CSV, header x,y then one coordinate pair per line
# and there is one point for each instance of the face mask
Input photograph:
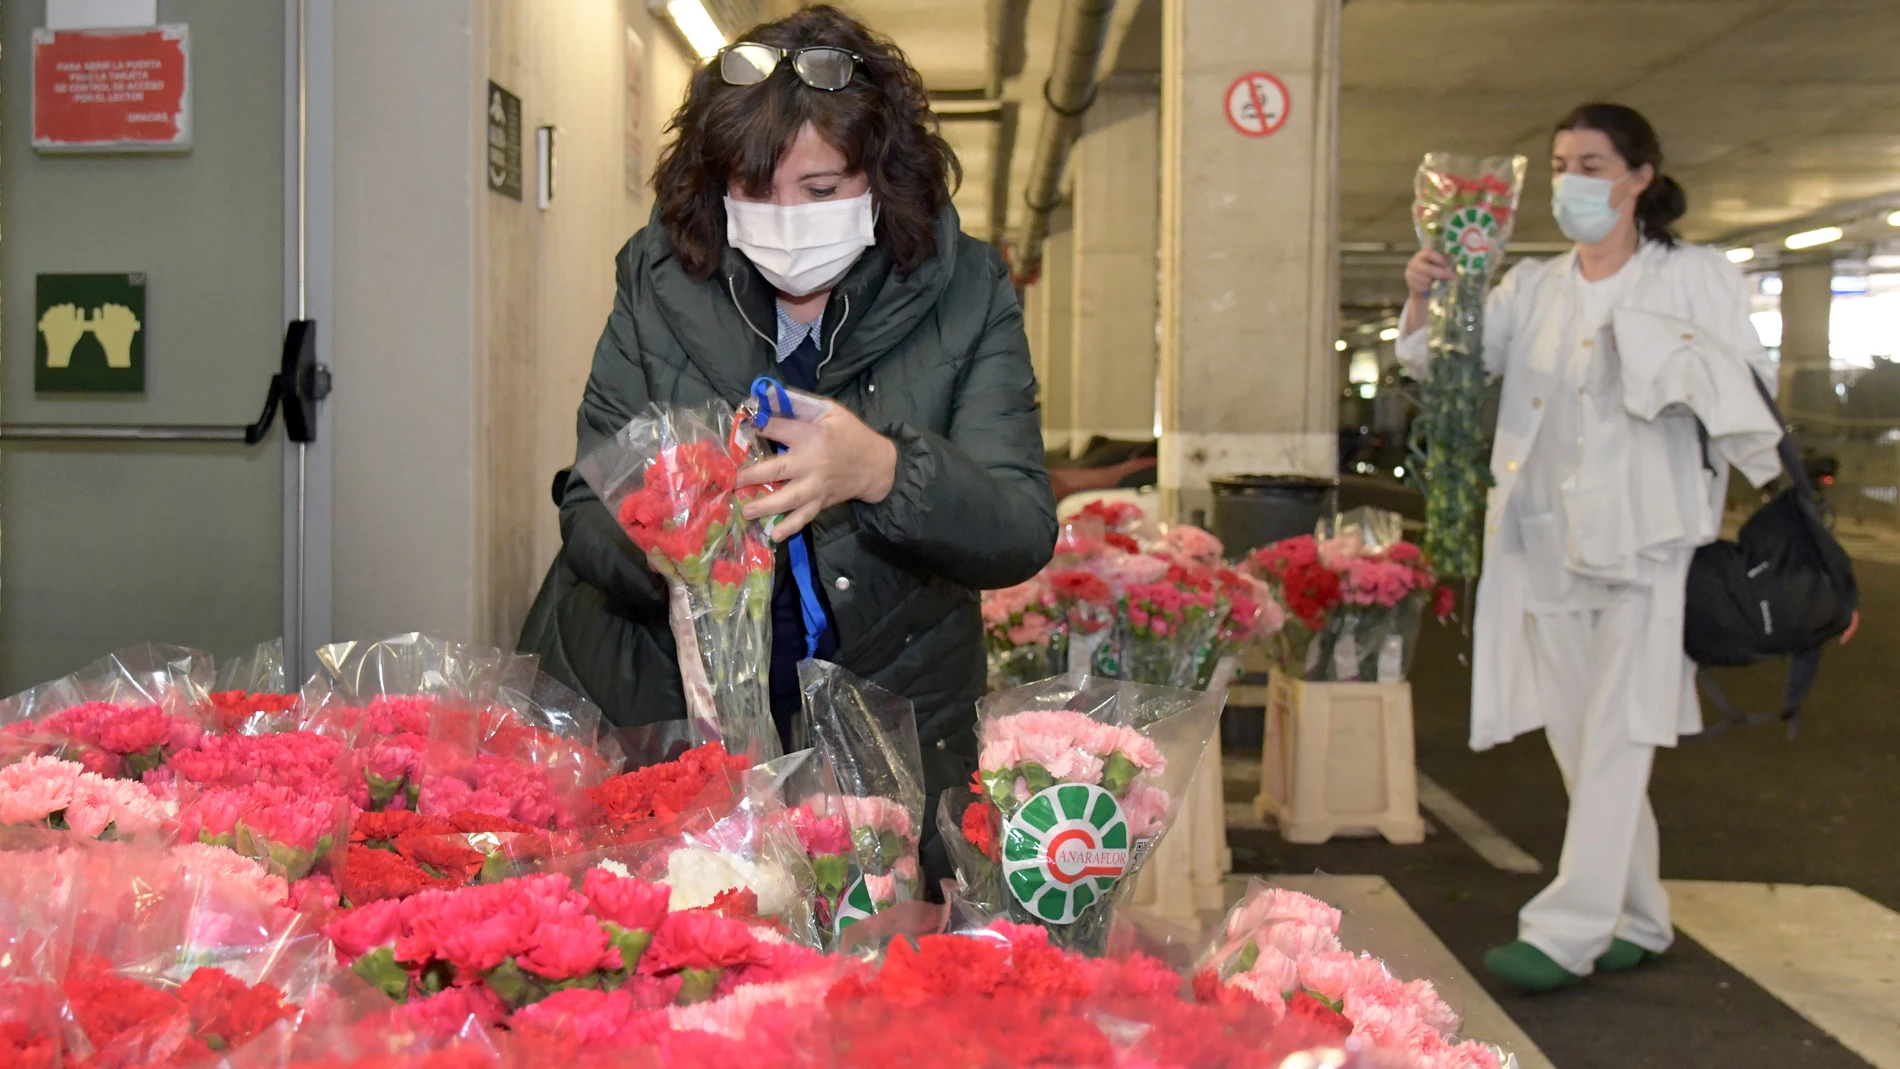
x,y
801,248
1581,204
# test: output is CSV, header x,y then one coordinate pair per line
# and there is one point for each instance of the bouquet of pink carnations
x,y
866,739
120,716
1080,777
1280,949
670,478
1024,630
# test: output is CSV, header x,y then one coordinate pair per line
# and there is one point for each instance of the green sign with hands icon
x,y
89,334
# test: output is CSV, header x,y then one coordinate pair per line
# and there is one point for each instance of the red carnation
x,y
1330,1023
1444,602
1125,543
976,828
698,940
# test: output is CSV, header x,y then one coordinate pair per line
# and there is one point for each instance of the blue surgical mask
x,y
1581,204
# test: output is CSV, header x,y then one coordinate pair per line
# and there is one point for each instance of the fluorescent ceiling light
x,y
1894,219
1740,256
1389,334
698,27
1339,346
1808,239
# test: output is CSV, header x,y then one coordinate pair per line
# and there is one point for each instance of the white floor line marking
x,y
1831,955
1476,831
1379,922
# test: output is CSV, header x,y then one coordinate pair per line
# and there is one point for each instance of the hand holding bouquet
x,y
1465,209
670,478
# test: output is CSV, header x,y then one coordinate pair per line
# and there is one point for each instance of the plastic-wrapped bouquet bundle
x,y
866,739
1167,628
1464,208
1280,949
254,694
1353,607
1080,777
120,717
1026,633
669,478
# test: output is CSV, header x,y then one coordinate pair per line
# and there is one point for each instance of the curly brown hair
x,y
881,122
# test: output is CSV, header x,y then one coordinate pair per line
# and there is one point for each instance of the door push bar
x,y
299,385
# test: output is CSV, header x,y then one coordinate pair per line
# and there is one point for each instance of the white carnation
x,y
697,874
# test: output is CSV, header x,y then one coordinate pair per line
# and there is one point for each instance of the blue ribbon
x,y
770,399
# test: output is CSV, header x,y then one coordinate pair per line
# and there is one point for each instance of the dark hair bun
x,y
1660,206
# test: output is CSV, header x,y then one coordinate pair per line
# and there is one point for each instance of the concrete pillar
x,y
1057,299
1117,173
1807,302
1249,266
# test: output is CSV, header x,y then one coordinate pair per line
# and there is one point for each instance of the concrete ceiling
x,y
1775,114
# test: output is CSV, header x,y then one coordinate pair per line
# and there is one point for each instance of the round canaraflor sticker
x,y
1471,238
1064,850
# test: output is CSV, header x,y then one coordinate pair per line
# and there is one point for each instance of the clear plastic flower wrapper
x,y
1281,950
1465,208
120,716
668,477
174,955
1025,634
254,694
717,836
866,738
1080,777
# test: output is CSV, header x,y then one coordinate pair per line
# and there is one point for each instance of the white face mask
x,y
801,248
1582,206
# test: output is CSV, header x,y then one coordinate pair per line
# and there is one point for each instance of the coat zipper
x,y
830,347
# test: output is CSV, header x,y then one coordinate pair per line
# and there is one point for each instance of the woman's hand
x,y
827,461
1853,628
1423,269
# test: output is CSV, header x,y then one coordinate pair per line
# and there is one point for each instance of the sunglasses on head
x,y
821,66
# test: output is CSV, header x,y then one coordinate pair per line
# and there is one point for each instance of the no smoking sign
x,y
1257,104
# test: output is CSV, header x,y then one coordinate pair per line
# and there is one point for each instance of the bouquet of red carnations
x,y
254,694
1079,778
865,739
669,477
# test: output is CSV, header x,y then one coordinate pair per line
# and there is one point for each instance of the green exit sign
x,y
89,334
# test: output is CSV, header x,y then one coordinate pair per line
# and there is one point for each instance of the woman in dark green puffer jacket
x,y
931,489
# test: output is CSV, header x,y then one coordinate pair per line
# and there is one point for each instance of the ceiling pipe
x,y
1080,38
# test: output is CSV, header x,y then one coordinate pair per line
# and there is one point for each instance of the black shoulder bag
x,y
1783,588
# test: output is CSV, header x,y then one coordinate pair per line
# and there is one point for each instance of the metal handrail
x,y
122,432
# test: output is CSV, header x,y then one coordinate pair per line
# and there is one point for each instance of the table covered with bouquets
x,y
430,854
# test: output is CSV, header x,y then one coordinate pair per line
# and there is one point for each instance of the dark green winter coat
x,y
935,359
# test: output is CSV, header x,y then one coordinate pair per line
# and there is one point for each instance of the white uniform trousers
x,y
1609,881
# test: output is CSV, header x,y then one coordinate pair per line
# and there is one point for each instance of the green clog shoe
x,y
1528,969
1623,956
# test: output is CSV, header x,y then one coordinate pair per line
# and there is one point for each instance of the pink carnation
x,y
1274,971
1328,974
1278,904
1300,941
1382,1014
1263,991
1145,807
632,904
1432,1009
35,788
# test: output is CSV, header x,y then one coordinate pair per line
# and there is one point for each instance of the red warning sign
x,y
1257,104
111,90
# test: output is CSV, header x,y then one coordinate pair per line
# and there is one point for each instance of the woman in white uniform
x,y
1592,523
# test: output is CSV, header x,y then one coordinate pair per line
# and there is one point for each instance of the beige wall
x,y
472,316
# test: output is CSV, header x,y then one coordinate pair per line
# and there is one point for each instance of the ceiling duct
x,y
1080,38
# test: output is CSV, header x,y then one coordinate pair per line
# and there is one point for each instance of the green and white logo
x,y
1064,850
1471,238
856,905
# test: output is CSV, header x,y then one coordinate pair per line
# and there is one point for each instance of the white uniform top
x,y
1597,465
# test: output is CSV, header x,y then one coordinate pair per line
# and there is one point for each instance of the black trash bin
x,y
1251,511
